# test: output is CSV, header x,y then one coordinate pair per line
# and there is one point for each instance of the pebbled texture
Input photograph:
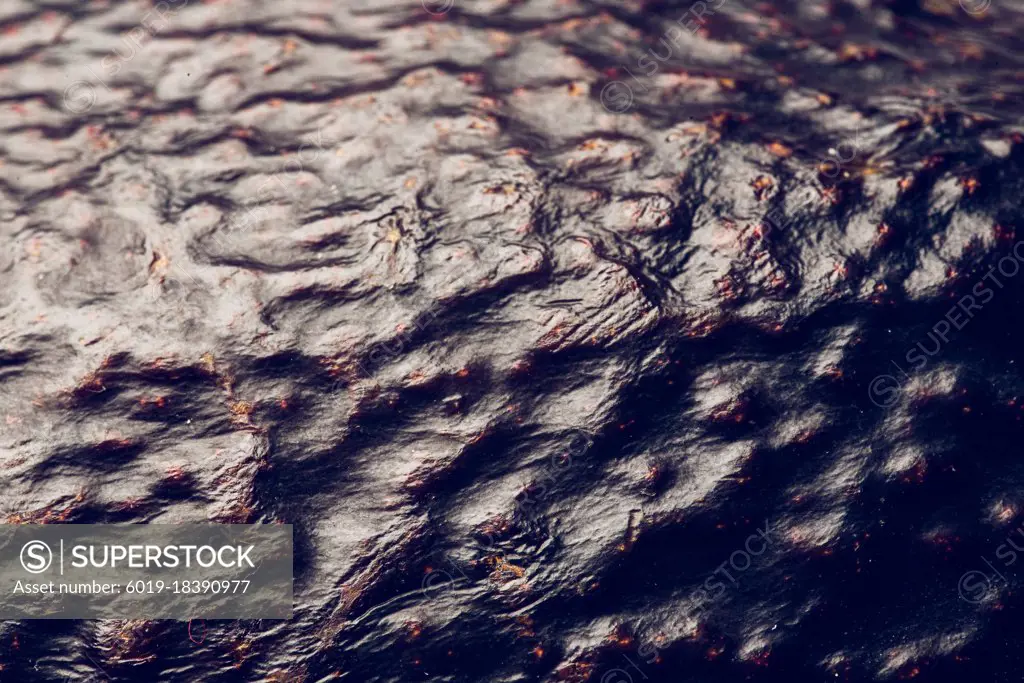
x,y
525,336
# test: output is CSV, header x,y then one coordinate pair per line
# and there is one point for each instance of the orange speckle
x,y
850,52
241,408
415,629
762,184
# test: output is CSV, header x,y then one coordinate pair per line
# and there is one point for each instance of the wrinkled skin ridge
x,y
522,365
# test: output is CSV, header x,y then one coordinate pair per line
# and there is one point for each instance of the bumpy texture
x,y
530,316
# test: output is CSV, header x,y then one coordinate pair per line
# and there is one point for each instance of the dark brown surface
x,y
526,330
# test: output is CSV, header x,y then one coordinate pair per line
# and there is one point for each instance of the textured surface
x,y
525,329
